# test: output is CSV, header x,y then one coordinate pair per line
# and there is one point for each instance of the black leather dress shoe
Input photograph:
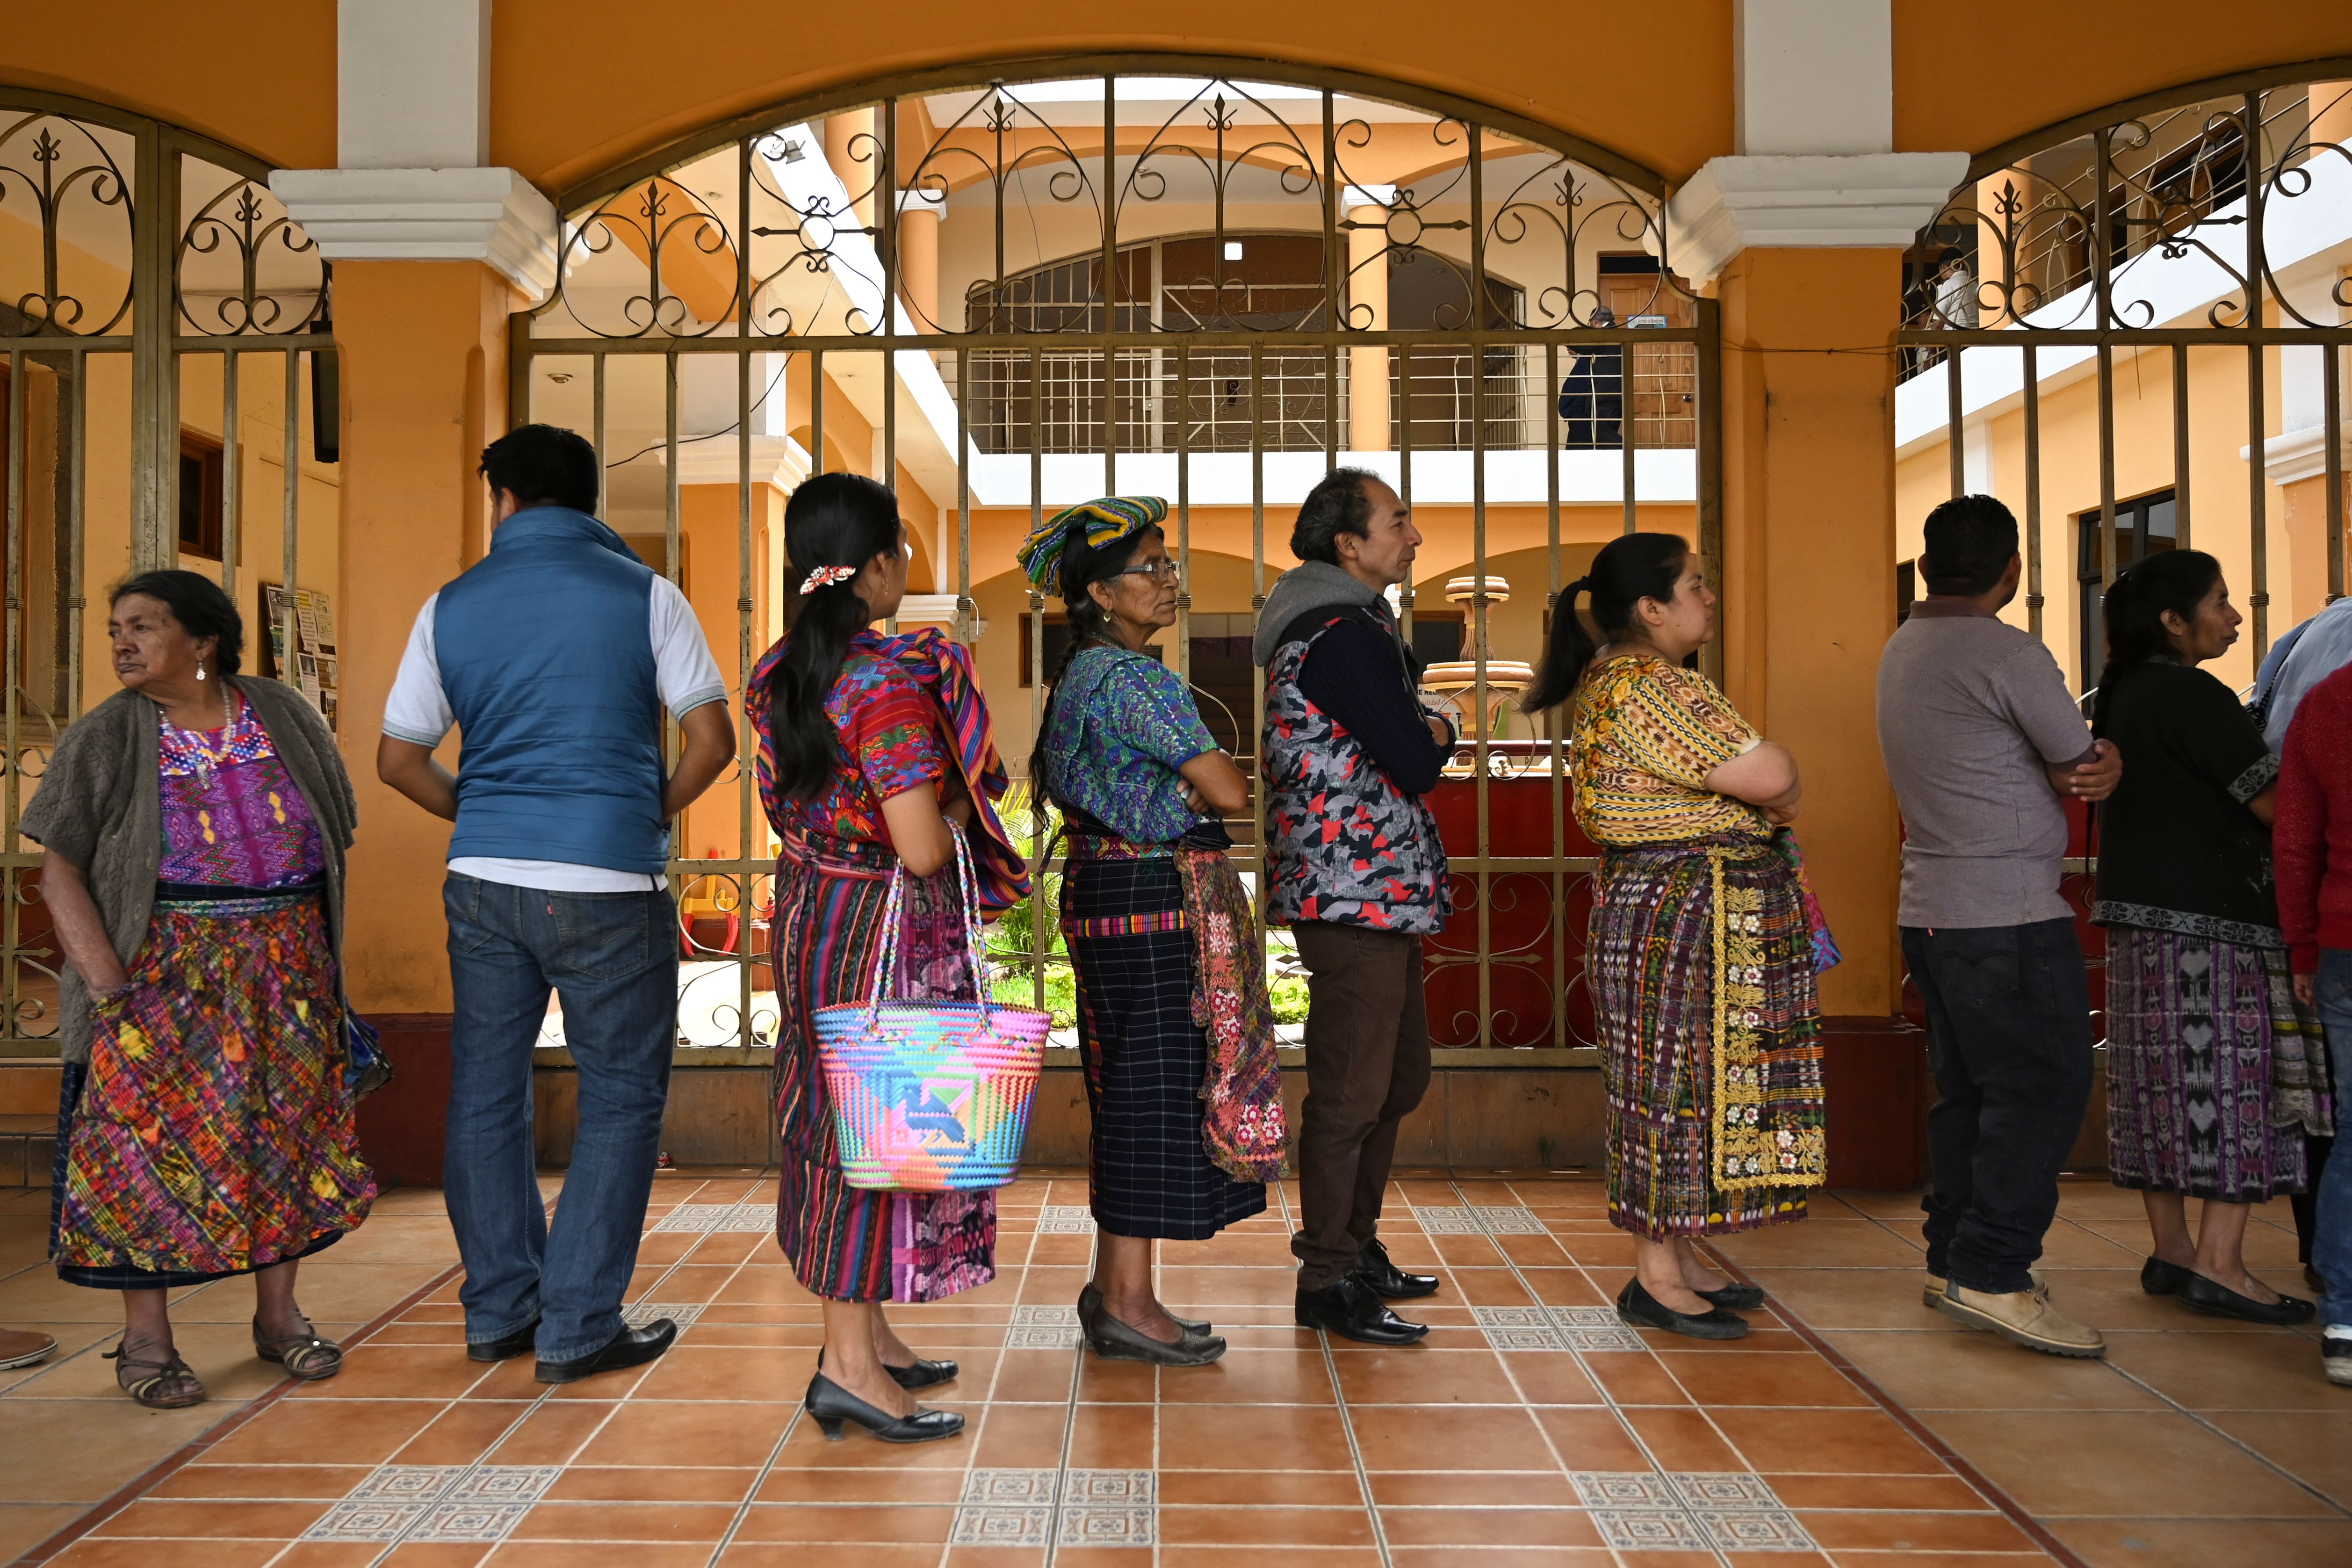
x,y
1350,1310
2215,1300
1374,1267
1643,1310
832,1405
2158,1277
630,1347
507,1349
1734,1297
922,1374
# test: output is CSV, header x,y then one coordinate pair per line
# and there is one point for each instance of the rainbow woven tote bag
x,y
930,1097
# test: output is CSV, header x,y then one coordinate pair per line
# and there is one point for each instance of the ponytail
x,y
832,520
1082,566
1628,570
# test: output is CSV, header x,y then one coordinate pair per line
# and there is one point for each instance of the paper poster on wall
x,y
310,663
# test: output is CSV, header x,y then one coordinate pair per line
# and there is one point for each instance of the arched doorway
x,y
1003,292
168,399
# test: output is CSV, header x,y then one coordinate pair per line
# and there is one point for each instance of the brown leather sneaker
x,y
2022,1317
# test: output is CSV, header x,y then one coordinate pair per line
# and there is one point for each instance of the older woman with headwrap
x,y
1176,1034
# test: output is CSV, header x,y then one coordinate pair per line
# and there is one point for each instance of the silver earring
x,y
200,669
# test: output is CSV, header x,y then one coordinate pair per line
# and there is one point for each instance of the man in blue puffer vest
x,y
555,655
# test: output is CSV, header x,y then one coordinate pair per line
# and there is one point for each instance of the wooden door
x,y
1661,380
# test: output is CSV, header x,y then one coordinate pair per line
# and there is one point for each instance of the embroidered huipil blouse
x,y
889,742
232,818
1647,735
1123,726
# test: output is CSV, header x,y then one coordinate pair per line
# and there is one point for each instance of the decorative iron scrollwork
x,y
247,228
2063,238
56,176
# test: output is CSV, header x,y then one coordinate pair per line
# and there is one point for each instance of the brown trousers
x,y
1367,1068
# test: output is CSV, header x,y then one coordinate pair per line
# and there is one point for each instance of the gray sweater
x,y
100,806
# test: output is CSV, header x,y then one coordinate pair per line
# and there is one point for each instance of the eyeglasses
x,y
1157,571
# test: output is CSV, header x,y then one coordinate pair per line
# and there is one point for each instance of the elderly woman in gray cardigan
x,y
195,826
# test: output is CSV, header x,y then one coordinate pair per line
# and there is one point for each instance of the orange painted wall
x,y
423,346
1808,568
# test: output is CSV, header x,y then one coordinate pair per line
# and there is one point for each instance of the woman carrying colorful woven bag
x,y
868,746
1175,1030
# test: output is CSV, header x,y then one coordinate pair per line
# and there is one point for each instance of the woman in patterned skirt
x,y
2215,1073
1702,952
195,826
870,747
1175,1031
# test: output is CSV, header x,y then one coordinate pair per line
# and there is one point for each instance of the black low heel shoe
x,y
922,1374
1090,1298
2158,1277
1643,1310
832,1404
1734,1297
2215,1300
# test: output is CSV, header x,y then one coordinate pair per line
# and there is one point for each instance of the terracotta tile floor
x,y
1852,1428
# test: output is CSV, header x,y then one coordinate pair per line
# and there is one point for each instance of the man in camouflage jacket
x,y
1355,867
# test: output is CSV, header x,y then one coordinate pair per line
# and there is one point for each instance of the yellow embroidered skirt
x,y
1702,969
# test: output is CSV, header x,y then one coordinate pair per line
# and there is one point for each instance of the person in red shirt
x,y
2311,855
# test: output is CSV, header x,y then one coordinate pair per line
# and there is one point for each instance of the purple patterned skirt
x,y
2198,1031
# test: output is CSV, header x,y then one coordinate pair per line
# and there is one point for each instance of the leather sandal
x,y
170,1386
304,1355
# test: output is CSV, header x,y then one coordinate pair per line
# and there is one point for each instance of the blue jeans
x,y
614,959
2331,1249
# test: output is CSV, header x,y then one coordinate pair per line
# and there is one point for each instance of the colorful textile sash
x,y
1825,948
1244,1128
944,670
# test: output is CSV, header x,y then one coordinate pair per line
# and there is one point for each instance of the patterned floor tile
x,y
1006,1486
406,1483
1752,1530
503,1484
1649,1530
693,1217
1624,1488
1043,1328
367,1522
682,1313
1594,1329
483,1521
1518,1328
1065,1219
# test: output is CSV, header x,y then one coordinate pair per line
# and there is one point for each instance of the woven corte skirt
x,y
1698,1146
2190,1026
1148,1173
211,1132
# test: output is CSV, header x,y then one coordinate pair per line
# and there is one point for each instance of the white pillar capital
x,y
1354,196
491,216
1819,203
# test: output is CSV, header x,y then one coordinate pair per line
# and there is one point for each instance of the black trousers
x,y
1367,1068
2009,1036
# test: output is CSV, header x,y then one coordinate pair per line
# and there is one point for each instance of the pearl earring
x,y
200,669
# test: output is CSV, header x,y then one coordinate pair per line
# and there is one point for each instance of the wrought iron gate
x,y
1011,292
161,322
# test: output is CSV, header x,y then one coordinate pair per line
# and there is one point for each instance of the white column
x,y
413,146
1815,130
